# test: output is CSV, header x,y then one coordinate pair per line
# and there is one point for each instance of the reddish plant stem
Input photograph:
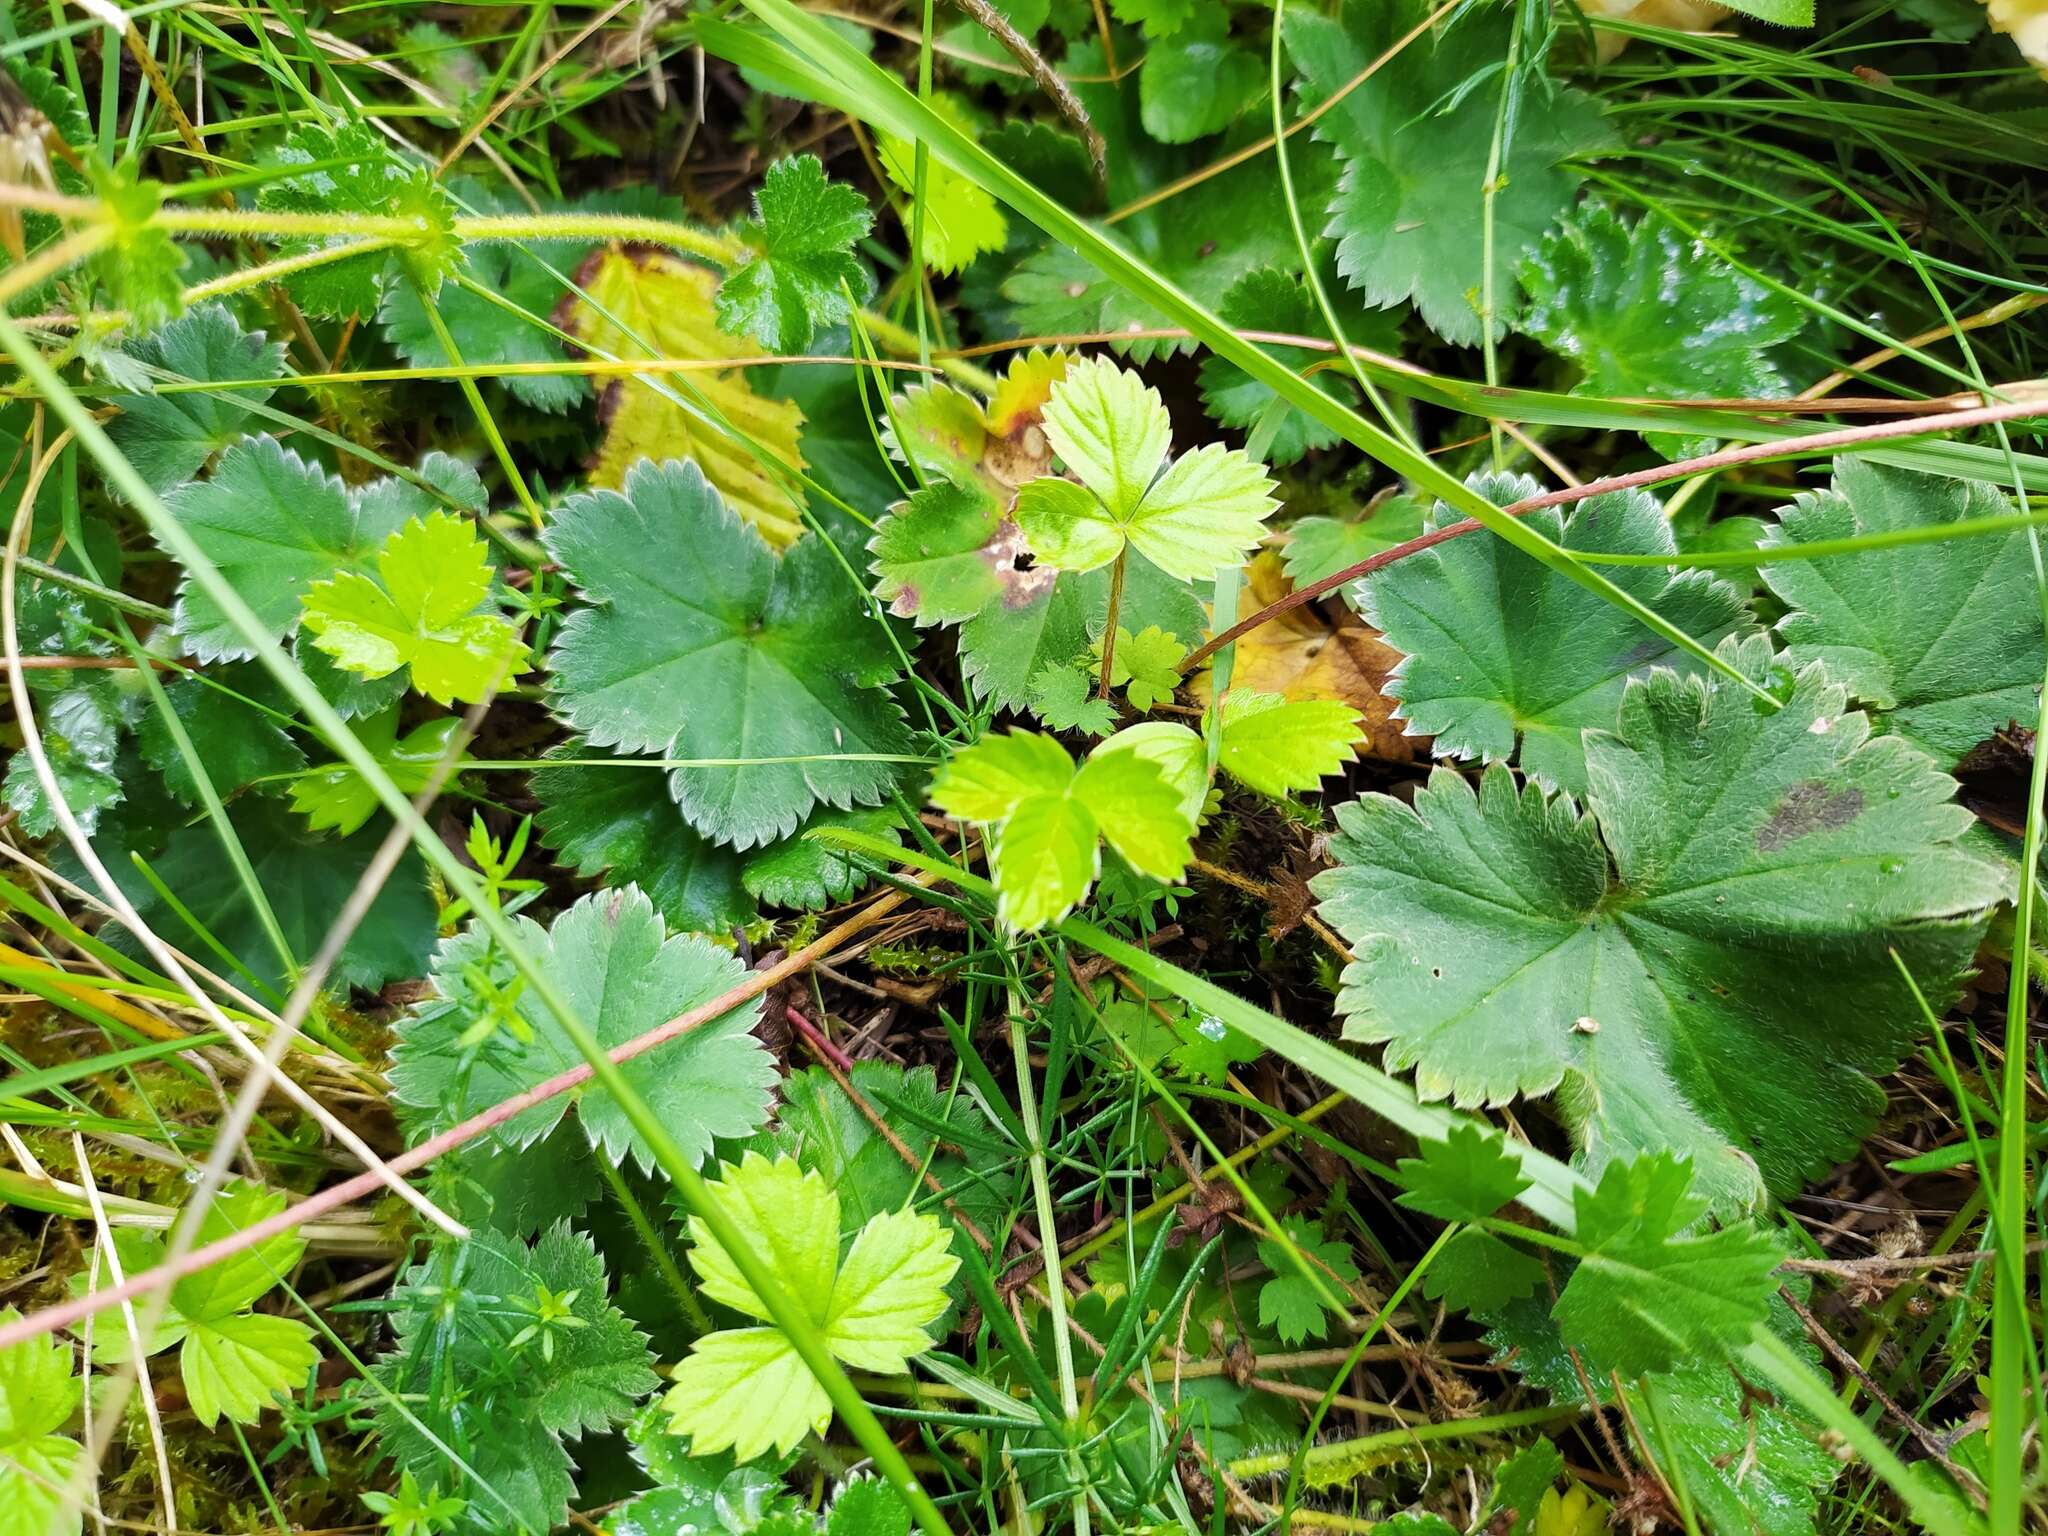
x,y
1748,453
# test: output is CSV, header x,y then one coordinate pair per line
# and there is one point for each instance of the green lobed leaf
x,y
1288,1303
1281,746
803,236
1322,546
485,333
810,875
1506,658
1649,312
621,822
1942,641
1275,299
1477,1271
238,743
700,643
1465,1177
1417,146
1197,82
1660,963
336,797
236,1366
168,437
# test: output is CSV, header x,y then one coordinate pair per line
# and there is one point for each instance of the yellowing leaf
x,y
961,220
651,304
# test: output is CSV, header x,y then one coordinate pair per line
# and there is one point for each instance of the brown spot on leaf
x,y
1022,582
1808,807
904,604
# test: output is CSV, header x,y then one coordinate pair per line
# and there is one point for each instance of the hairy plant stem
x,y
1116,599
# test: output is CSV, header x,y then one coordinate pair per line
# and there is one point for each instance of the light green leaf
x,y
1941,640
625,974
867,1506
1288,1303
1661,962
36,1479
962,219
949,552
1417,145
1139,810
1207,509
38,1390
138,262
789,1216
1280,746
748,1391
621,821
1647,1298
1506,658
235,1366
1465,1177
701,644
891,1286
1065,700
804,235
432,613
1044,860
336,796
167,437
1146,665
1520,1482
989,780
237,1282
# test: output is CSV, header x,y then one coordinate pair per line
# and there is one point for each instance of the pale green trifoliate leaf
x,y
1146,665
747,1389
167,437
615,961
948,553
1205,509
38,1466
430,610
701,644
796,283
1646,1296
1661,962
1506,658
1465,1177
1943,640
1418,149
336,797
1281,746
38,1390
1649,312
1047,818
236,1366
237,1282
960,218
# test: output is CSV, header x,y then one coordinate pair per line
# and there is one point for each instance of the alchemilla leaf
x,y
167,437
700,644
625,974
1417,145
796,284
1942,641
1658,960
1505,658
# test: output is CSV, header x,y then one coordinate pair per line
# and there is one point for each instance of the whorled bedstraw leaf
x,y
487,333
622,822
746,1389
803,235
1418,142
1649,312
1648,1295
961,219
455,1318
239,743
1288,1303
1507,658
306,878
1465,1177
699,643
336,797
646,303
1942,641
1661,963
1204,510
625,974
1281,746
369,180
1047,818
274,524
38,1466
429,609
168,436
